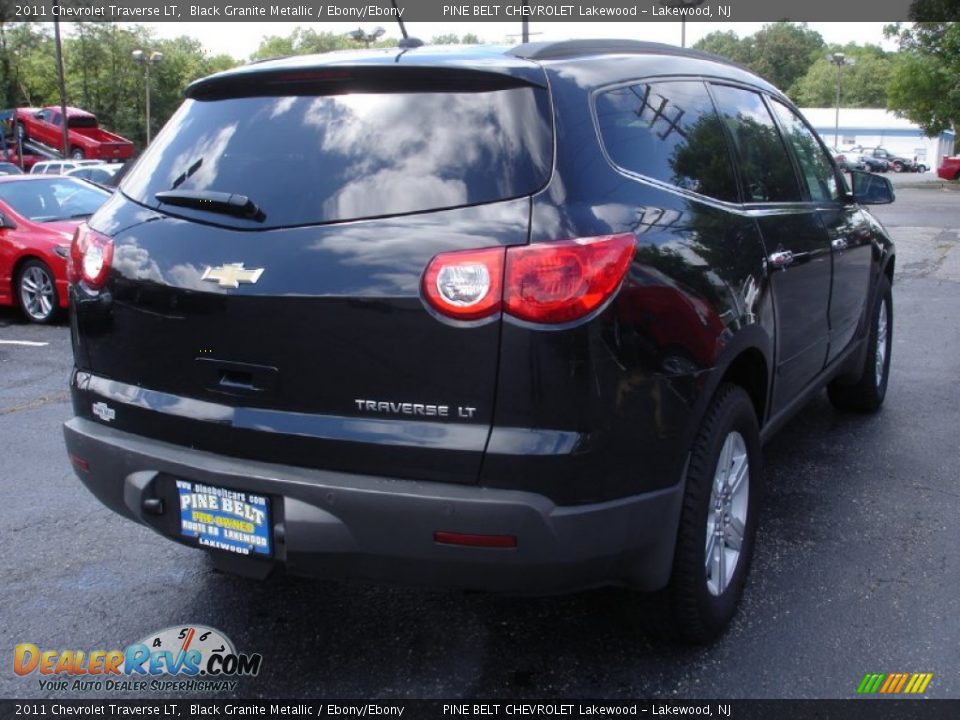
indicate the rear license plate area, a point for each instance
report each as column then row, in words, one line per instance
column 223, row 519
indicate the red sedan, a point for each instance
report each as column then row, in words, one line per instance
column 38, row 215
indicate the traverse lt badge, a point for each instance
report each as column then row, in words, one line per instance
column 231, row 275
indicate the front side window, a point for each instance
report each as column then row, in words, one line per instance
column 668, row 131
column 815, row 166
column 766, row 171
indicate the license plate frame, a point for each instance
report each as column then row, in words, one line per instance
column 219, row 518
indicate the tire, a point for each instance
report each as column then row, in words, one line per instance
column 704, row 590
column 77, row 154
column 866, row 393
column 37, row 292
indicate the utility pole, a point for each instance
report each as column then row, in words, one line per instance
column 58, row 50
column 147, row 60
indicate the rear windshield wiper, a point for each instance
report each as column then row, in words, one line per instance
column 216, row 202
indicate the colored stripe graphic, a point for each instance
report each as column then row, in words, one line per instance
column 870, row 683
column 894, row 683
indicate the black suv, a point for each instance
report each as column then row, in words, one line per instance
column 511, row 319
column 896, row 163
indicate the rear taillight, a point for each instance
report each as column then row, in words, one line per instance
column 90, row 257
column 545, row 283
column 565, row 281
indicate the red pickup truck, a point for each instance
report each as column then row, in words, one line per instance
column 87, row 138
column 950, row 168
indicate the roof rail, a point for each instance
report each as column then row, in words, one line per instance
column 564, row 49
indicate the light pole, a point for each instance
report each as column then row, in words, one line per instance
column 838, row 59
column 147, row 60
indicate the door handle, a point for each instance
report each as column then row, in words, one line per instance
column 840, row 244
column 781, row 258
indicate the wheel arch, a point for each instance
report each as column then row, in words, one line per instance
column 746, row 361
column 18, row 267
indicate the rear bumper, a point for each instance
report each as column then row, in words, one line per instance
column 333, row 524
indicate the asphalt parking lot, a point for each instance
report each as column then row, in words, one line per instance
column 857, row 567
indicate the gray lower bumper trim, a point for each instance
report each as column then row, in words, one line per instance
column 339, row 524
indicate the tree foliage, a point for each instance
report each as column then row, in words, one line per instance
column 307, row 41
column 454, row 39
column 781, row 52
column 863, row 84
column 925, row 81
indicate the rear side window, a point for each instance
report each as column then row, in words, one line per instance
column 668, row 131
column 310, row 159
column 766, row 171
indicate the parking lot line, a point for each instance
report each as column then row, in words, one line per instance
column 29, row 343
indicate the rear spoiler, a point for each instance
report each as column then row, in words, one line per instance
column 339, row 79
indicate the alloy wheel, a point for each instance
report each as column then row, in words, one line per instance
column 37, row 293
column 727, row 513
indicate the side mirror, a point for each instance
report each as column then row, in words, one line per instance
column 6, row 223
column 870, row 189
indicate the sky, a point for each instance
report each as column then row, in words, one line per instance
column 241, row 39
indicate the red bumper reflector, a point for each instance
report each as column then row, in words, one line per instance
column 488, row 541
column 79, row 463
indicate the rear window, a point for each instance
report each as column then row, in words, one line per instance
column 318, row 159
column 82, row 121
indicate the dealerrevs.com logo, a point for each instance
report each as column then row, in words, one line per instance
column 182, row 658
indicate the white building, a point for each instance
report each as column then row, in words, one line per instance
column 872, row 127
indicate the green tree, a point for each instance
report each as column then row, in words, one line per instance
column 925, row 80
column 863, row 84
column 781, row 52
column 307, row 42
column 726, row 44
column 454, row 39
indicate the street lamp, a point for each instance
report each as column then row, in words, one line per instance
column 147, row 60
column 838, row 59
column 366, row 38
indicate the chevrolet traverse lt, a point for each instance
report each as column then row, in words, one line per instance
column 509, row 319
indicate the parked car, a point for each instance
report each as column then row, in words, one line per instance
column 949, row 168
column 897, row 163
column 104, row 174
column 846, row 162
column 61, row 167
column 7, row 168
column 873, row 164
column 27, row 162
column 38, row 216
column 85, row 136
column 347, row 339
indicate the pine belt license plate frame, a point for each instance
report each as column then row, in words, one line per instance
column 232, row 521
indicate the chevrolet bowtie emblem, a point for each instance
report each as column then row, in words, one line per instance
column 231, row 275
